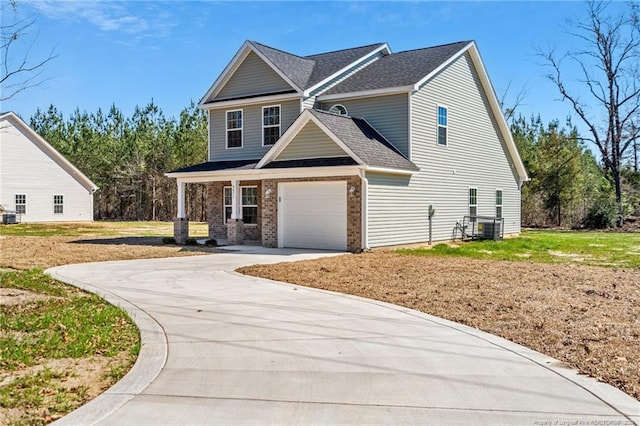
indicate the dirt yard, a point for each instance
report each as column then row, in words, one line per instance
column 46, row 252
column 588, row 317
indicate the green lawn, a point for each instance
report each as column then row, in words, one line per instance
column 609, row 249
column 100, row 228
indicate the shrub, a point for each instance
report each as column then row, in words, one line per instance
column 191, row 242
column 168, row 240
column 601, row 214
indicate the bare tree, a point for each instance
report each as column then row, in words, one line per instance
column 18, row 71
column 607, row 64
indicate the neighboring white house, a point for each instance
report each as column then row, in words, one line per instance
column 36, row 181
column 355, row 149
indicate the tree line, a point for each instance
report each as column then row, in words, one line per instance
column 128, row 156
column 568, row 186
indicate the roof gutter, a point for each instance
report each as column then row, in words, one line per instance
column 367, row 93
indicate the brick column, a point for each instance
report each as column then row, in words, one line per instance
column 354, row 214
column 180, row 230
column 235, row 232
column 269, row 213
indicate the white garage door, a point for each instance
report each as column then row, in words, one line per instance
column 312, row 215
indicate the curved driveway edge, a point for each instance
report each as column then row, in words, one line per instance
column 222, row 348
column 149, row 363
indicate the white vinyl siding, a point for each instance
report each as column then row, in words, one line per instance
column 397, row 211
column 388, row 114
column 311, row 142
column 253, row 77
column 252, row 119
column 26, row 169
column 398, row 205
column 478, row 157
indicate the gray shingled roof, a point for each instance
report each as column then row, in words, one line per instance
column 307, row 71
column 214, row 166
column 364, row 141
column 330, row 62
column 398, row 69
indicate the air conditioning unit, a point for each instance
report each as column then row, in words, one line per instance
column 9, row 218
column 489, row 230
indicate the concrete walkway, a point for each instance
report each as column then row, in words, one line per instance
column 222, row 348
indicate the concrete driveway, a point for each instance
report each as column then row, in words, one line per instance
column 222, row 348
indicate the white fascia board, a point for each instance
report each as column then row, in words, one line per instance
column 386, row 170
column 250, row 101
column 259, row 174
column 275, row 68
column 366, row 93
column 497, row 112
column 72, row 170
column 383, row 47
column 442, row 66
column 228, row 71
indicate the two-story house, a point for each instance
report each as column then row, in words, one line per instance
column 348, row 150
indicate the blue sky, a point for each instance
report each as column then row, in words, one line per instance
column 129, row 52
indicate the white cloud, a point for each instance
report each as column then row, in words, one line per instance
column 108, row 16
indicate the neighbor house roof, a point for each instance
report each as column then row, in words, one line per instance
column 39, row 141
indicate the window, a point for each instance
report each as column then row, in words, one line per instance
column 58, row 204
column 473, row 202
column 338, row 109
column 234, row 129
column 21, row 203
column 442, row 126
column 498, row 202
column 249, row 204
column 270, row 124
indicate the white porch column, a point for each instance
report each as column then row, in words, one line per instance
column 181, row 204
column 236, row 200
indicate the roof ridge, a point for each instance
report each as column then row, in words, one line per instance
column 280, row 50
column 343, row 50
column 434, row 47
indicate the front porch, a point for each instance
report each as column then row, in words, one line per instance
column 246, row 211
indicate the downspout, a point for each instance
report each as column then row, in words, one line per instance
column 364, row 211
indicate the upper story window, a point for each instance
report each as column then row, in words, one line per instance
column 270, row 124
column 442, row 125
column 473, row 203
column 498, row 202
column 234, row 129
column 58, row 204
column 338, row 109
column 21, row 203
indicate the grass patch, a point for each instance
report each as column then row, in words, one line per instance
column 75, row 326
column 606, row 249
column 99, row 228
column 90, row 344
